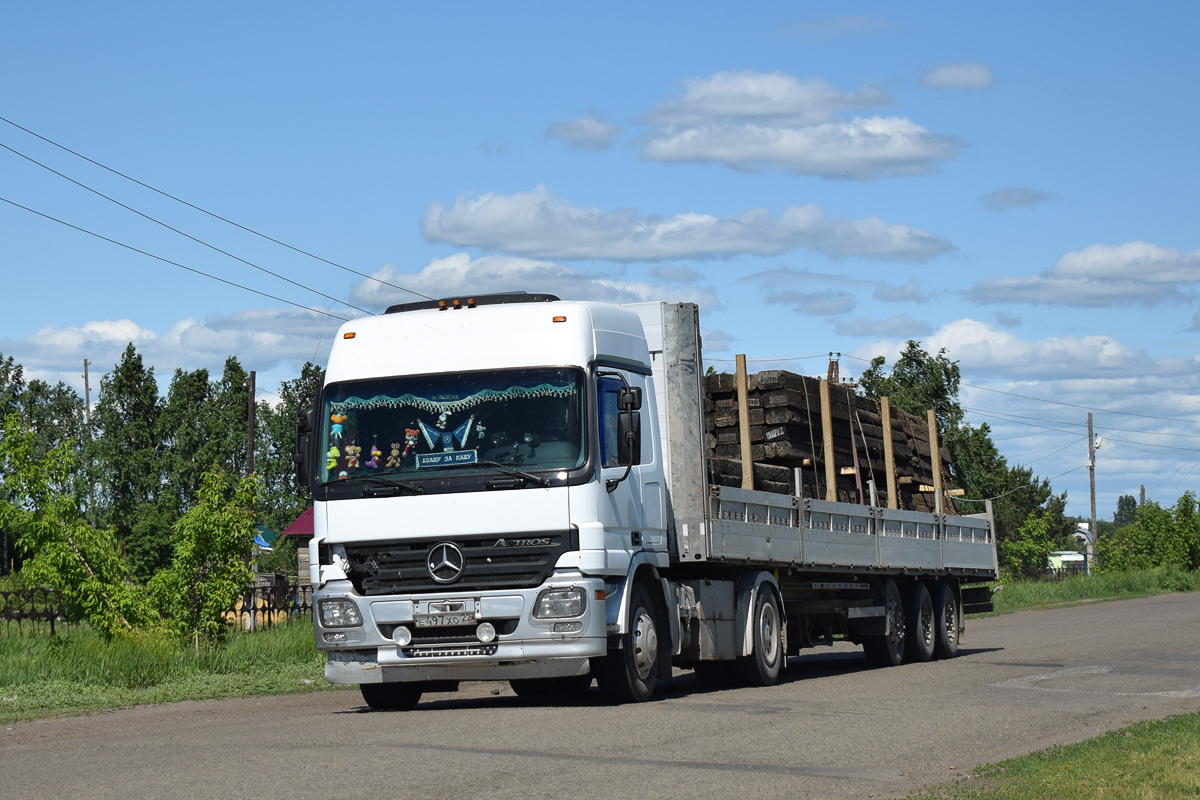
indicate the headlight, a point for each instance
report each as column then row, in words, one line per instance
column 339, row 613
column 555, row 603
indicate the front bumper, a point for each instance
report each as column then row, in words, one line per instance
column 524, row 647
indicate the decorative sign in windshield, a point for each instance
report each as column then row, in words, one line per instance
column 446, row 459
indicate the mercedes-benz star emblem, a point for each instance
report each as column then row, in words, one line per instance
column 445, row 562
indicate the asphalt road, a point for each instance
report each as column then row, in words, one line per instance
column 834, row 728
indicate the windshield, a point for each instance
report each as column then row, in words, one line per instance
column 431, row 425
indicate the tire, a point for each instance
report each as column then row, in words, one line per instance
column 763, row 665
column 629, row 675
column 391, row 696
column 714, row 674
column 945, row 620
column 921, row 635
column 551, row 687
column 887, row 650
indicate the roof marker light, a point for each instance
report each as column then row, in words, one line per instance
column 349, row 335
column 559, row 319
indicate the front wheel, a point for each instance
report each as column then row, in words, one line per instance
column 391, row 696
column 762, row 667
column 629, row 675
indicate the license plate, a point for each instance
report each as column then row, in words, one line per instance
column 442, row 620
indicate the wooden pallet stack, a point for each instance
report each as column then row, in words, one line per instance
column 787, row 431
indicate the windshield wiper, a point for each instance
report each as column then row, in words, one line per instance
column 508, row 469
column 388, row 486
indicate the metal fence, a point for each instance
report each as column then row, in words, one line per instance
column 263, row 607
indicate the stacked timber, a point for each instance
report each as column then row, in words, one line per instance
column 787, row 433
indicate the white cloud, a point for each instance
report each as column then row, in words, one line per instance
column 1015, row 197
column 458, row 274
column 592, row 132
column 910, row 292
column 715, row 341
column 966, row 76
column 983, row 350
column 540, row 225
column 900, row 325
column 264, row 340
column 821, row 304
column 747, row 120
column 1102, row 275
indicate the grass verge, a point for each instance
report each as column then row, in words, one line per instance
column 76, row 670
column 1022, row 595
column 1157, row 760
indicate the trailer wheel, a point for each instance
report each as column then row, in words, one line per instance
column 551, row 687
column 887, row 650
column 629, row 675
column 945, row 618
column 391, row 696
column 763, row 665
column 922, row 628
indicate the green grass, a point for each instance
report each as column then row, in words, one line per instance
column 1021, row 595
column 1157, row 760
column 76, row 670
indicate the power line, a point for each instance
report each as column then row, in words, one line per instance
column 181, row 233
column 168, row 261
column 1020, row 488
column 756, row 360
column 211, row 214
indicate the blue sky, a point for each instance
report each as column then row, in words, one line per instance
column 1015, row 184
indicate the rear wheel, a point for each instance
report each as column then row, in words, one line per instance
column 391, row 696
column 921, row 631
column 629, row 675
column 762, row 667
column 945, row 620
column 887, row 650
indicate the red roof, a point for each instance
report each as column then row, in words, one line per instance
column 302, row 525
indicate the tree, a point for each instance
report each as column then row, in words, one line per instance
column 919, row 382
column 12, row 384
column 1025, row 555
column 209, row 570
column 1126, row 511
column 283, row 498
column 128, row 457
column 184, row 433
column 65, row 553
column 226, row 418
column 1158, row 537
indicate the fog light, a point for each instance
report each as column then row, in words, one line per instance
column 567, row 627
column 401, row 635
column 336, row 636
column 486, row 632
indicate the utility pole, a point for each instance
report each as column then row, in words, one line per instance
column 1142, row 496
column 1091, row 548
column 87, row 400
column 250, row 408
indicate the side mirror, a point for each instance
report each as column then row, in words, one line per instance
column 304, row 426
column 629, row 438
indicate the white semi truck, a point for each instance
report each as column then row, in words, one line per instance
column 514, row 487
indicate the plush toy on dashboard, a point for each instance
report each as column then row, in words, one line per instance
column 410, row 440
column 353, row 451
column 335, row 432
column 333, row 455
column 394, row 458
column 443, row 420
column 376, row 454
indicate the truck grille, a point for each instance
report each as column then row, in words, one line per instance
column 490, row 562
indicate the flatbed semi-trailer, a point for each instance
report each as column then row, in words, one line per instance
column 545, row 516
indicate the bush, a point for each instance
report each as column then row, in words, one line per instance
column 1158, row 537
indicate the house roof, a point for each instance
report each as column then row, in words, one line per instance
column 302, row 525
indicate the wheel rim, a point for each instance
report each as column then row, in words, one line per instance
column 645, row 643
column 896, row 615
column 950, row 620
column 926, row 623
column 768, row 625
